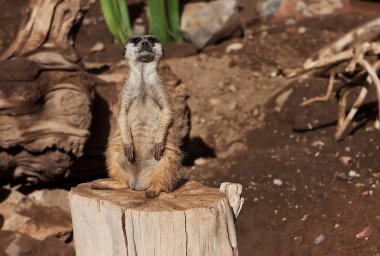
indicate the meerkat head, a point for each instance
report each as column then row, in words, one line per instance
column 145, row 49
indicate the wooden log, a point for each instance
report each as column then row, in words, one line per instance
column 193, row 220
column 45, row 94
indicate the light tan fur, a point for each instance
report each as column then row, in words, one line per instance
column 143, row 150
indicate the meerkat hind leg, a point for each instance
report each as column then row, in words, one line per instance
column 165, row 177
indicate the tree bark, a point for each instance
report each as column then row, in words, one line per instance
column 45, row 94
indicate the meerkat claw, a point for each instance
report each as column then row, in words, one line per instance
column 159, row 150
column 129, row 152
column 152, row 193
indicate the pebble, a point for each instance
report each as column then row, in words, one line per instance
column 290, row 22
column 377, row 124
column 232, row 88
column 98, row 47
column 319, row 239
column 215, row 101
column 317, row 143
column 232, row 105
column 301, row 30
column 352, row 173
column 346, row 160
column 200, row 161
column 234, row 47
column 277, row 182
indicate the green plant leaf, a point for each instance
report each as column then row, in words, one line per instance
column 163, row 18
column 117, row 18
column 174, row 19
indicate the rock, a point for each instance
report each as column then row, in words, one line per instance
column 205, row 23
column 277, row 182
column 232, row 105
column 317, row 144
column 301, row 8
column 234, row 47
column 12, row 220
column 290, row 22
column 215, row 101
column 269, row 7
column 45, row 222
column 24, row 215
column 377, row 124
column 234, row 148
column 319, row 239
column 301, row 30
column 200, row 161
column 232, row 88
column 52, row 197
column 18, row 244
column 97, row 47
column 346, row 160
column 353, row 174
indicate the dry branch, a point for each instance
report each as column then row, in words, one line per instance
column 355, row 51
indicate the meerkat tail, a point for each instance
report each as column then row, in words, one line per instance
column 108, row 185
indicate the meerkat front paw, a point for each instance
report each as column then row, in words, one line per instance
column 152, row 192
column 159, row 150
column 129, row 151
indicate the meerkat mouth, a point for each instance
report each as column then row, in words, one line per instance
column 146, row 55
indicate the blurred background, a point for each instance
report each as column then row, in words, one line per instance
column 235, row 69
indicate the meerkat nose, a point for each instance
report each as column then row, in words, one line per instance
column 145, row 44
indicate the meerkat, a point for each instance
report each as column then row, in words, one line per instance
column 143, row 150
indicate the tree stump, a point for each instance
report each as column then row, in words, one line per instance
column 193, row 220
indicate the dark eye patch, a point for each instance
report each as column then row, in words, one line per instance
column 152, row 40
column 134, row 40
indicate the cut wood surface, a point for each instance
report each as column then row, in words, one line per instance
column 193, row 220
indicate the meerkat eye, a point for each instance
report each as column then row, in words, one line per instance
column 135, row 40
column 152, row 40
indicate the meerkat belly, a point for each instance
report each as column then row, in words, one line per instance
column 144, row 117
column 144, row 120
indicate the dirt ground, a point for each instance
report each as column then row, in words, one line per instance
column 299, row 184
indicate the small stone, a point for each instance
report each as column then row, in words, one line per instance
column 232, row 105
column 234, row 47
column 319, row 239
column 290, row 22
column 98, row 47
column 352, row 173
column 277, row 182
column 346, row 160
column 318, row 144
column 377, row 124
column 232, row 88
column 301, row 30
column 200, row 161
column 215, row 101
